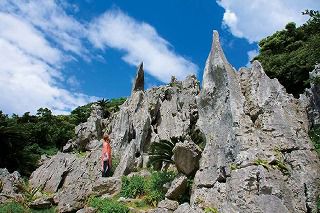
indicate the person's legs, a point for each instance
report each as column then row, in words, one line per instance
column 105, row 168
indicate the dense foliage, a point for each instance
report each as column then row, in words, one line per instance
column 25, row 138
column 151, row 188
column 290, row 54
column 315, row 137
column 107, row 205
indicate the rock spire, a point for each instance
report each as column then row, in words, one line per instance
column 138, row 84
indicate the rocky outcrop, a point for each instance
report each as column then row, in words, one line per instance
column 257, row 148
column 313, row 97
column 149, row 116
column 177, row 188
column 186, row 156
column 257, row 155
column 138, row 84
column 8, row 182
column 87, row 133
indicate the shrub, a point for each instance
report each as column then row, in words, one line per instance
column 107, row 205
column 12, row 207
column 314, row 134
column 154, row 187
column 132, row 187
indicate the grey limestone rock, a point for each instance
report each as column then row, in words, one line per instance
column 186, row 156
column 138, row 84
column 257, row 146
column 177, row 187
column 90, row 130
column 8, row 189
column 87, row 210
column 313, row 95
column 168, row 204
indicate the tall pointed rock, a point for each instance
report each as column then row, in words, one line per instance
column 217, row 67
column 138, row 84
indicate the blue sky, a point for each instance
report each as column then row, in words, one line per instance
column 61, row 54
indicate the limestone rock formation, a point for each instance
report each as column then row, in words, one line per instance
column 186, row 156
column 138, row 84
column 88, row 131
column 314, row 98
column 8, row 189
column 258, row 156
column 149, row 116
column 177, row 188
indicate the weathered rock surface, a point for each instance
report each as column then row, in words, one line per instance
column 41, row 203
column 186, row 156
column 149, row 116
column 8, row 189
column 90, row 130
column 138, row 84
column 168, row 204
column 186, row 208
column 313, row 95
column 257, row 148
column 70, row 177
column 257, row 154
column 177, row 187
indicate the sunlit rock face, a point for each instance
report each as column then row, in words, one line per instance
column 255, row 155
column 258, row 156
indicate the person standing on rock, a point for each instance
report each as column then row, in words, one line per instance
column 106, row 156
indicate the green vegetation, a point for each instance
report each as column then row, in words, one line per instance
column 107, row 205
column 132, row 187
column 211, row 210
column 162, row 151
column 261, row 162
column 290, row 54
column 12, row 207
column 155, row 191
column 315, row 137
column 150, row 189
column 25, row 138
column 275, row 164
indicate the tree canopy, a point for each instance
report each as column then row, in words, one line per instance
column 290, row 54
column 23, row 139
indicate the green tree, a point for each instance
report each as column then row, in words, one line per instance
column 290, row 54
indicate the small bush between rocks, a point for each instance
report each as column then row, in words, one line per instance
column 151, row 188
column 132, row 187
column 107, row 205
column 12, row 207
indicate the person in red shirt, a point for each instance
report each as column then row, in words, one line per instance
column 106, row 161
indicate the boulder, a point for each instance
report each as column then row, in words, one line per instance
column 90, row 130
column 186, row 208
column 186, row 157
column 8, row 182
column 168, row 204
column 107, row 186
column 87, row 210
column 177, row 187
column 41, row 203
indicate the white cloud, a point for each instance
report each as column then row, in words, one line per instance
column 37, row 38
column 30, row 63
column 251, row 55
column 50, row 18
column 256, row 19
column 140, row 42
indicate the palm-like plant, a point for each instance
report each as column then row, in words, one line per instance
column 162, row 151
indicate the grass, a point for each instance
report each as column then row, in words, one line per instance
column 150, row 189
column 107, row 205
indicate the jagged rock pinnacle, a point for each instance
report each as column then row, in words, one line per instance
column 138, row 84
column 215, row 62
